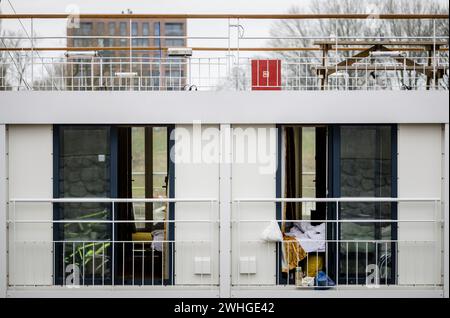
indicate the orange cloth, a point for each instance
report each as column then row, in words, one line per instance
column 292, row 252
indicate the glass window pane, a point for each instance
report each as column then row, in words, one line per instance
column 157, row 32
column 138, row 172
column 84, row 172
column 134, row 32
column 123, row 33
column 174, row 28
column 366, row 171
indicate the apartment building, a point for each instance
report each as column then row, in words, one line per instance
column 327, row 176
column 144, row 40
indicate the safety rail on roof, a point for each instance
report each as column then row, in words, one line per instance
column 316, row 63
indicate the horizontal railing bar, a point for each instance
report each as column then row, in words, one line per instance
column 216, row 221
column 380, row 241
column 139, row 173
column 343, row 199
column 332, row 37
column 111, row 200
column 115, row 241
column 111, row 221
column 341, row 221
column 127, row 37
column 296, row 16
column 174, row 200
column 218, row 49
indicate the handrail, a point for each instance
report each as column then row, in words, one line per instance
column 225, row 49
column 343, row 199
column 111, row 200
column 300, row 16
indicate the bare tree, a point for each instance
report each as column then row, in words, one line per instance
column 238, row 80
column 13, row 64
column 419, row 28
column 4, row 85
column 300, row 70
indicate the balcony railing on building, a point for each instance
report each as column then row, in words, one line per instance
column 37, row 258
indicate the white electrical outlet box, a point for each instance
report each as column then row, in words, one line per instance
column 202, row 265
column 247, row 265
column 179, row 51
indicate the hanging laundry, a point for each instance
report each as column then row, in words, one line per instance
column 292, row 253
column 310, row 237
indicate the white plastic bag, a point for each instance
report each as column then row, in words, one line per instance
column 272, row 233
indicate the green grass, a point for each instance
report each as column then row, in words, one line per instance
column 138, row 157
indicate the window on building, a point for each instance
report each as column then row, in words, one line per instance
column 84, row 161
column 340, row 161
column 123, row 33
column 145, row 32
column 365, row 170
column 78, row 42
column 134, row 33
column 143, row 173
column 111, row 32
column 174, row 29
column 104, row 162
column 86, row 29
column 304, row 170
column 157, row 33
column 101, row 32
column 174, row 79
column 155, row 79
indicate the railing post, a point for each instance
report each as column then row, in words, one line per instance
column 225, row 212
column 32, row 54
column 337, row 243
column 446, row 219
column 3, row 214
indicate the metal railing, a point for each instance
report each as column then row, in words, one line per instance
column 45, row 252
column 406, row 252
column 225, row 73
column 327, row 62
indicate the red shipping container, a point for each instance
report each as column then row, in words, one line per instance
column 266, row 75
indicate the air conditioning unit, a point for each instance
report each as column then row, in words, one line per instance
column 392, row 54
column 126, row 74
column 81, row 54
column 179, row 52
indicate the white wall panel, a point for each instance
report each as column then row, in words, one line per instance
column 419, row 173
column 253, row 177
column 196, row 177
column 30, row 176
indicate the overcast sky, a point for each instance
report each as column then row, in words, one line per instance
column 259, row 28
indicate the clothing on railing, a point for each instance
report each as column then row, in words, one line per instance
column 292, row 253
column 310, row 237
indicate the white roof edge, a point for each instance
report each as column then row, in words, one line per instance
column 261, row 107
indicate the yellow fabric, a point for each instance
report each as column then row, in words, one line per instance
column 141, row 236
column 293, row 252
column 314, row 263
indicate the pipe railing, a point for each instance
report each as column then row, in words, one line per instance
column 391, row 256
column 107, row 260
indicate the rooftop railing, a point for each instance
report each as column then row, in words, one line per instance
column 329, row 62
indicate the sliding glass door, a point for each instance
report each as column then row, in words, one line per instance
column 82, row 169
column 364, row 166
column 99, row 161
